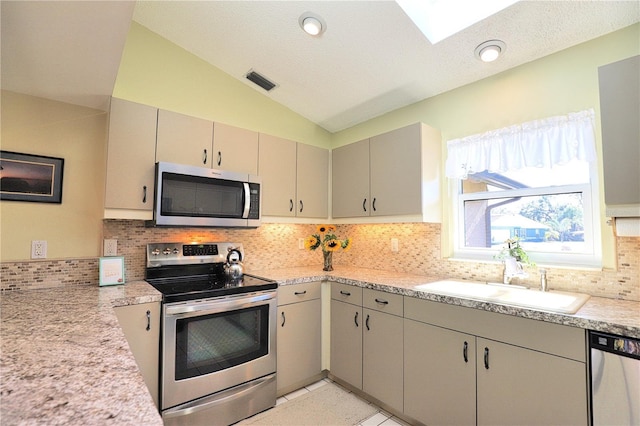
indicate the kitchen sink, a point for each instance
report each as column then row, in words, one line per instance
column 560, row 302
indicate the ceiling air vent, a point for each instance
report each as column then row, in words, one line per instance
column 260, row 80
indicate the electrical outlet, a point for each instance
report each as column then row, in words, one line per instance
column 110, row 247
column 39, row 249
column 301, row 243
column 394, row 245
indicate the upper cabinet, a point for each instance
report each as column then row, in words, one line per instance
column 184, row 139
column 350, row 182
column 295, row 178
column 277, row 168
column 619, row 110
column 312, row 181
column 130, row 160
column 396, row 173
column 235, row 149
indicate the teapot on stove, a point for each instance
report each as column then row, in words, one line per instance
column 234, row 268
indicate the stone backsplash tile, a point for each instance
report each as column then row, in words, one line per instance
column 273, row 246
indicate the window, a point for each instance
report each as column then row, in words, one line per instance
column 549, row 202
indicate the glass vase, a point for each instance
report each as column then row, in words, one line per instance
column 328, row 260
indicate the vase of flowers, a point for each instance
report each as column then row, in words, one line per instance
column 326, row 239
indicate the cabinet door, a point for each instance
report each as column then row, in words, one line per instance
column 183, row 139
column 396, row 172
column 299, row 344
column 525, row 387
column 235, row 149
column 312, row 181
column 382, row 359
column 350, row 180
column 346, row 342
column 439, row 375
column 619, row 110
column 131, row 156
column 141, row 326
column 277, row 168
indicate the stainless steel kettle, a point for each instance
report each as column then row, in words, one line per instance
column 234, row 268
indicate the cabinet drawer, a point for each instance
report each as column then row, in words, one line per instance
column 346, row 293
column 298, row 293
column 383, row 301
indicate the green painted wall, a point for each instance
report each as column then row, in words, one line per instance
column 564, row 82
column 156, row 72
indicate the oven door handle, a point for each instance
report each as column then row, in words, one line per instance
column 220, row 305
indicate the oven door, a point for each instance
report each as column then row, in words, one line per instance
column 215, row 344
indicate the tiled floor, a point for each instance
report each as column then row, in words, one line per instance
column 381, row 418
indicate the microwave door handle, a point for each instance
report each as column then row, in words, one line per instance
column 247, row 201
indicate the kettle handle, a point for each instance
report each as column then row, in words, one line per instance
column 231, row 250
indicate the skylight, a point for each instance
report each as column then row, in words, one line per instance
column 439, row 19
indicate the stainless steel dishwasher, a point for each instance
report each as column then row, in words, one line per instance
column 615, row 379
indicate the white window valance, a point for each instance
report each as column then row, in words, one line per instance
column 540, row 143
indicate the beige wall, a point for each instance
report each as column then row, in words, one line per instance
column 157, row 72
column 73, row 228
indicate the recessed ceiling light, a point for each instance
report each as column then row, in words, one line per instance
column 490, row 50
column 312, row 24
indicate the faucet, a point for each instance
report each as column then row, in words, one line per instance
column 543, row 280
column 512, row 269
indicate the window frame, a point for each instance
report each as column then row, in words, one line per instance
column 591, row 215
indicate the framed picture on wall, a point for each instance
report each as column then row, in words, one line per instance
column 26, row 177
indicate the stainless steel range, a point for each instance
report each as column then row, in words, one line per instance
column 218, row 351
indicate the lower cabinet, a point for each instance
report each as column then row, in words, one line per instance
column 346, row 341
column 439, row 375
column 526, row 387
column 382, row 362
column 141, row 326
column 299, row 336
column 366, row 342
column 465, row 366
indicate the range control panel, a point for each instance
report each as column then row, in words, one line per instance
column 159, row 254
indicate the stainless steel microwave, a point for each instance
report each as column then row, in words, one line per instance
column 196, row 196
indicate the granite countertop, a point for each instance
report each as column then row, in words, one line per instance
column 65, row 359
column 601, row 314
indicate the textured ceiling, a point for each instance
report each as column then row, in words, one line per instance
column 370, row 60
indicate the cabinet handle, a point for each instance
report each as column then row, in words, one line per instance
column 465, row 354
column 381, row 302
column 299, row 293
column 290, row 205
column 148, row 320
column 144, row 194
column 364, row 205
column 301, row 206
column 219, row 158
column 345, row 293
column 204, row 157
column 374, row 204
column 355, row 319
column 283, row 320
column 486, row 358
column 366, row 322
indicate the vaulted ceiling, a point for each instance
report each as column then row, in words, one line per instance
column 370, row 60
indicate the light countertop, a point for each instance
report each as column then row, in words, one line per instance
column 65, row 359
